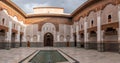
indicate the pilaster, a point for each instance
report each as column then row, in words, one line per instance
column 24, row 35
column 99, row 33
column 86, row 34
column 77, row 34
column 71, row 39
column 9, row 35
column 119, row 26
column 17, row 37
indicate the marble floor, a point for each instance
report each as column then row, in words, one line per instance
column 82, row 55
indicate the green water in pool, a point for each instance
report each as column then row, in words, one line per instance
column 48, row 56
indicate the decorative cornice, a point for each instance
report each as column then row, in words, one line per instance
column 83, row 6
column 14, row 6
column 73, row 14
column 48, row 15
column 48, row 7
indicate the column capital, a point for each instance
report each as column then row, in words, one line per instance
column 85, row 18
column 85, row 31
column 99, row 12
column 119, row 7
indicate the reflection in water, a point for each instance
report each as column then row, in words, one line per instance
column 48, row 56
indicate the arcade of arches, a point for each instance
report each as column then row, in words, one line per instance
column 94, row 27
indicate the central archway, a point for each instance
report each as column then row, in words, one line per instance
column 48, row 39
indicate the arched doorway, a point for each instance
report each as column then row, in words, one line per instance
column 48, row 39
column 111, row 40
column 93, row 40
column 13, row 40
column 21, row 40
column 2, row 39
column 75, row 39
column 82, row 40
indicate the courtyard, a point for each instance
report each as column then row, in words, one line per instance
column 15, row 55
column 77, row 31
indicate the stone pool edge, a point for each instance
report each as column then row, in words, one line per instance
column 67, row 57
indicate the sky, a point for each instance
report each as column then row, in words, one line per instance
column 68, row 5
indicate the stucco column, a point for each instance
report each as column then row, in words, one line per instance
column 24, row 41
column 99, row 33
column 119, row 26
column 18, row 37
column 31, row 39
column 38, row 38
column 77, row 34
column 65, row 33
column 9, row 35
column 71, row 38
column 6, row 39
column 58, row 37
column 55, row 37
column 24, row 36
column 86, row 34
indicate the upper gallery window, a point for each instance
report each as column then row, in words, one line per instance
column 82, row 35
column 109, row 18
column 14, row 25
column 81, row 26
column 92, row 23
column 3, row 21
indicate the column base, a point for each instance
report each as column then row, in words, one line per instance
column 92, row 45
column 100, row 47
column 17, row 45
column 7, row 47
column 63, row 44
column 24, row 44
column 86, row 46
column 78, row 44
column 119, row 48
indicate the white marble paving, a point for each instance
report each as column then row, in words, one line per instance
column 92, row 56
column 82, row 55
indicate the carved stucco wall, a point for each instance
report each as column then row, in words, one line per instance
column 48, row 27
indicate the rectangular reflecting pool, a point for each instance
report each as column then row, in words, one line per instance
column 48, row 56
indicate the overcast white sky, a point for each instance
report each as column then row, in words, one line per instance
column 68, row 5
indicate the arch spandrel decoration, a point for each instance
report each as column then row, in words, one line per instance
column 92, row 17
column 110, row 9
column 48, row 27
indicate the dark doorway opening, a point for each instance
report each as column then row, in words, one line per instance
column 13, row 40
column 21, row 40
column 82, row 40
column 75, row 39
column 48, row 39
column 111, row 40
column 2, row 39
